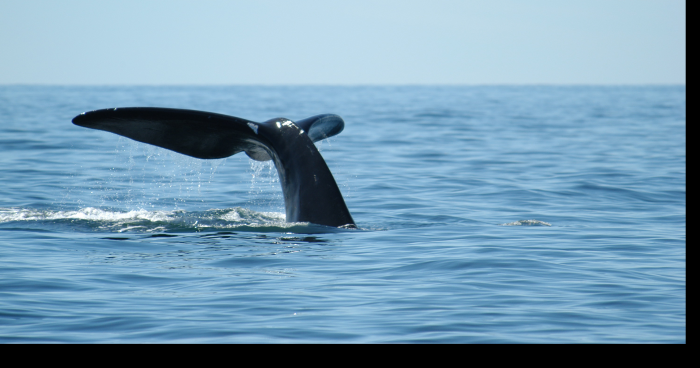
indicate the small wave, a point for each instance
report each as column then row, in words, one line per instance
column 527, row 223
column 142, row 220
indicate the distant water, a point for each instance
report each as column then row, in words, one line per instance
column 486, row 214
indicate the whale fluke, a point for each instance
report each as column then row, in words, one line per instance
column 310, row 191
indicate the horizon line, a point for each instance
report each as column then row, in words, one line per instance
column 343, row 84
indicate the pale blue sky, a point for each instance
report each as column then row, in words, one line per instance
column 343, row 42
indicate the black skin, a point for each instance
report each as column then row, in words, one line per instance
column 310, row 191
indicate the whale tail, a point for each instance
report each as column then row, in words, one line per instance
column 310, row 191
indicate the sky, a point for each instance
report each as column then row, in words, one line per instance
column 359, row 42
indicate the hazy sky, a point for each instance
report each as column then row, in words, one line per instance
column 343, row 42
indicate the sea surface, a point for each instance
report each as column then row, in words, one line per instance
column 486, row 214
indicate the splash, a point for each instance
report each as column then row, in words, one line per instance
column 143, row 176
column 265, row 191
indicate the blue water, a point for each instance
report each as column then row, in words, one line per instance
column 529, row 214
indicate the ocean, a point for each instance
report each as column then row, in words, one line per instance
column 485, row 214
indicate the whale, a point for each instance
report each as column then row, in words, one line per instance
column 310, row 192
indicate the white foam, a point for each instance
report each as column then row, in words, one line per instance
column 248, row 216
column 140, row 219
column 527, row 223
column 88, row 213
